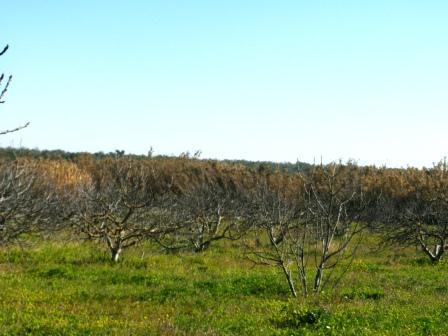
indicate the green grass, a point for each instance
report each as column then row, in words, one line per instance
column 57, row 288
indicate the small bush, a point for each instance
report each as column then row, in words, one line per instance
column 299, row 317
column 364, row 293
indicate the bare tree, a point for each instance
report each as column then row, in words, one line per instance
column 26, row 200
column 335, row 204
column 64, row 181
column 205, row 213
column 4, row 86
column 310, row 227
column 274, row 207
column 123, row 203
column 208, row 207
column 414, row 209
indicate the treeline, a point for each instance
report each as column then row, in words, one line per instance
column 12, row 153
column 306, row 222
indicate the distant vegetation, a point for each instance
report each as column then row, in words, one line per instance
column 10, row 152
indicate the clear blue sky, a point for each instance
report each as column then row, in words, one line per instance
column 259, row 80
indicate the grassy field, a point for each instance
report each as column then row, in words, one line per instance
column 57, row 288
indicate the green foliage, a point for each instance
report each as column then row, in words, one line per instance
column 302, row 317
column 364, row 293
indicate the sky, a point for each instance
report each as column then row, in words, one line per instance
column 254, row 79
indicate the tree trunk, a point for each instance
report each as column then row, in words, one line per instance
column 115, row 252
column 302, row 275
column 318, row 278
column 435, row 255
column 290, row 280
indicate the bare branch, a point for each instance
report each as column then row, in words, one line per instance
column 14, row 129
column 4, row 50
